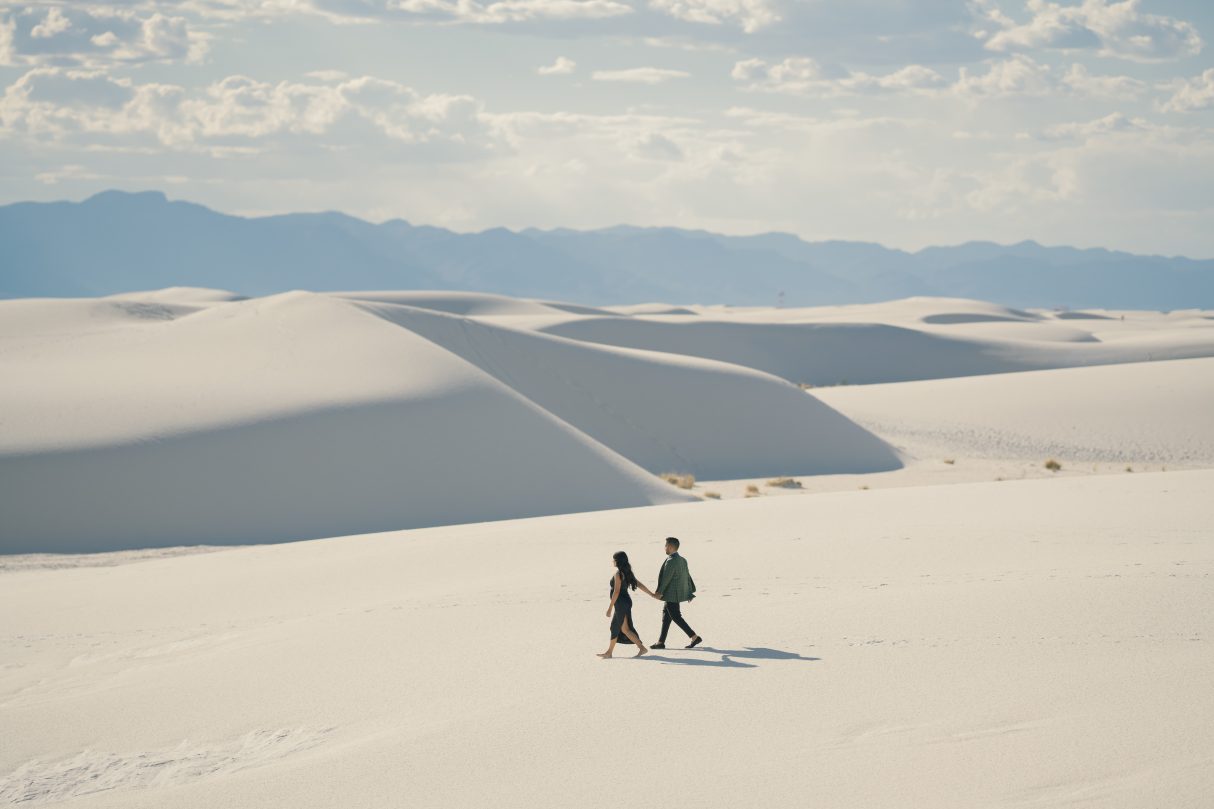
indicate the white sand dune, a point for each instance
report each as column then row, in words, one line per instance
column 472, row 303
column 830, row 353
column 904, row 311
column 292, row 416
column 39, row 318
column 651, row 309
column 664, row 412
column 303, row 415
column 1037, row 643
column 813, row 353
column 192, row 295
column 1155, row 412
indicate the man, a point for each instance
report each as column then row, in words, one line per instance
column 675, row 585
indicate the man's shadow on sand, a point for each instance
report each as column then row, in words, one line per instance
column 730, row 658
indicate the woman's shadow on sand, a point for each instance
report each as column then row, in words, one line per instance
column 729, row 658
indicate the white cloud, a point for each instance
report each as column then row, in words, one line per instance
column 794, row 70
column 656, row 146
column 96, row 37
column 502, row 11
column 521, row 10
column 905, row 181
column 1110, row 124
column 769, row 119
column 56, row 86
column 239, row 105
column 51, row 101
column 54, row 23
column 552, row 142
column 1016, row 76
column 1109, row 27
column 1080, row 81
column 687, row 43
column 8, row 52
column 561, row 66
column 169, row 39
column 1194, row 94
column 839, row 123
column 67, row 172
column 74, row 104
column 1025, row 181
column 750, row 15
column 803, row 76
column 640, row 75
column 1022, row 76
column 327, row 75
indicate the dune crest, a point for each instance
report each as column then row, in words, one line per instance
column 302, row 415
column 288, row 417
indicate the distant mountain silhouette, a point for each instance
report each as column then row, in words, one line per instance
column 118, row 242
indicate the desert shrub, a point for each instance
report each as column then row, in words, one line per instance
column 784, row 483
column 681, row 479
column 1129, row 469
column 712, row 495
column 864, row 487
column 950, row 461
column 752, row 490
column 1052, row 465
column 805, row 386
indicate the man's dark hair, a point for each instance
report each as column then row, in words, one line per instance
column 673, row 541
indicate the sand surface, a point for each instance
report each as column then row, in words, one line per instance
column 922, row 615
column 1033, row 643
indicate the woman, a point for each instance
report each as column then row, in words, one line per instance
column 621, row 602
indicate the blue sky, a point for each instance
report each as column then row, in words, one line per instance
column 907, row 123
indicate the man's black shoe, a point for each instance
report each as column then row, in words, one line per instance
column 658, row 646
column 696, row 641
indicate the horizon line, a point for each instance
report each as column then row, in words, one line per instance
column 618, row 226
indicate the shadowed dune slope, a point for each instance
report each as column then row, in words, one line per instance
column 286, row 417
column 829, row 353
column 664, row 412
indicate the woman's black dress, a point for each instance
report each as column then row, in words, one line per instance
column 623, row 609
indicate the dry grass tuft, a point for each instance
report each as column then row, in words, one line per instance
column 1052, row 465
column 784, row 483
column 681, row 479
column 950, row 461
column 712, row 495
column 752, row 490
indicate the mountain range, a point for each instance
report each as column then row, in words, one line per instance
column 117, row 241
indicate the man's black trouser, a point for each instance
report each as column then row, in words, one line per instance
column 673, row 613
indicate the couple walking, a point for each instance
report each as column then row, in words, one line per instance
column 674, row 586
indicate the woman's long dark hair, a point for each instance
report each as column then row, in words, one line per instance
column 621, row 562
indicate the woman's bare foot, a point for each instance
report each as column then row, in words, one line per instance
column 642, row 651
column 604, row 655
